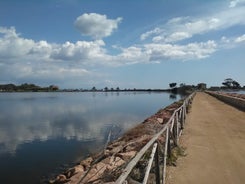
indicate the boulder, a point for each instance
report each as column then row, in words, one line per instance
column 61, row 178
column 74, row 170
column 86, row 163
column 160, row 120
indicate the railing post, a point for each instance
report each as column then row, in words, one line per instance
column 154, row 154
column 157, row 170
column 181, row 119
column 169, row 145
column 177, row 128
column 176, row 131
column 184, row 111
column 173, row 132
column 167, row 152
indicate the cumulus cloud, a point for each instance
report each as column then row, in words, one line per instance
column 11, row 45
column 132, row 55
column 81, row 50
column 44, row 61
column 159, row 52
column 31, row 60
column 96, row 25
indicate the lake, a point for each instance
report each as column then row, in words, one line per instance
column 42, row 133
column 238, row 92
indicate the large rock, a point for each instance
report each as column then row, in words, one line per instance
column 61, row 179
column 160, row 120
column 86, row 163
column 74, row 170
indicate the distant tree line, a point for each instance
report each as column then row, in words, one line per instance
column 26, row 88
column 117, row 89
column 182, row 89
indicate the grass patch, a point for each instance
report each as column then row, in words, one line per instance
column 175, row 153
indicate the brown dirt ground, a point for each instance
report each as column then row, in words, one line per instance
column 214, row 138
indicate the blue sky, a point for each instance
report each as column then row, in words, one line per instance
column 121, row 43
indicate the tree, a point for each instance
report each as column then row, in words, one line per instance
column 172, row 85
column 94, row 88
column 231, row 84
column 236, row 84
column 182, row 85
column 228, row 82
column 106, row 88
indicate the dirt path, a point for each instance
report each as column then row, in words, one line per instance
column 215, row 140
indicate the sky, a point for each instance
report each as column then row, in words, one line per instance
column 121, row 43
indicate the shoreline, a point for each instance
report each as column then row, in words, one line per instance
column 106, row 164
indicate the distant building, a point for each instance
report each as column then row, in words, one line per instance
column 202, row 86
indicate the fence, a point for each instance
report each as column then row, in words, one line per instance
column 172, row 130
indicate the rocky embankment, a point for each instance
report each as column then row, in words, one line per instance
column 233, row 99
column 107, row 165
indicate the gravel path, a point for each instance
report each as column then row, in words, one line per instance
column 214, row 138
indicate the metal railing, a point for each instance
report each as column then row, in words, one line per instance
column 172, row 129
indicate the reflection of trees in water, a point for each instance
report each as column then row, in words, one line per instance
column 172, row 96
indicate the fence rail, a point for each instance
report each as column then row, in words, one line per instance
column 172, row 129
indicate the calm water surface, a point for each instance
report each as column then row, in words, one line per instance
column 240, row 92
column 40, row 132
column 234, row 91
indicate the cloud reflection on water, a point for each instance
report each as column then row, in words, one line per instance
column 23, row 121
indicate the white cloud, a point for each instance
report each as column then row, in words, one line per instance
column 231, row 42
column 15, row 47
column 159, row 52
column 149, row 33
column 42, row 49
column 95, row 25
column 182, row 28
column 240, row 39
column 11, row 45
column 225, row 39
column 40, row 60
column 79, row 51
column 234, row 3
column 176, row 36
column 132, row 55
